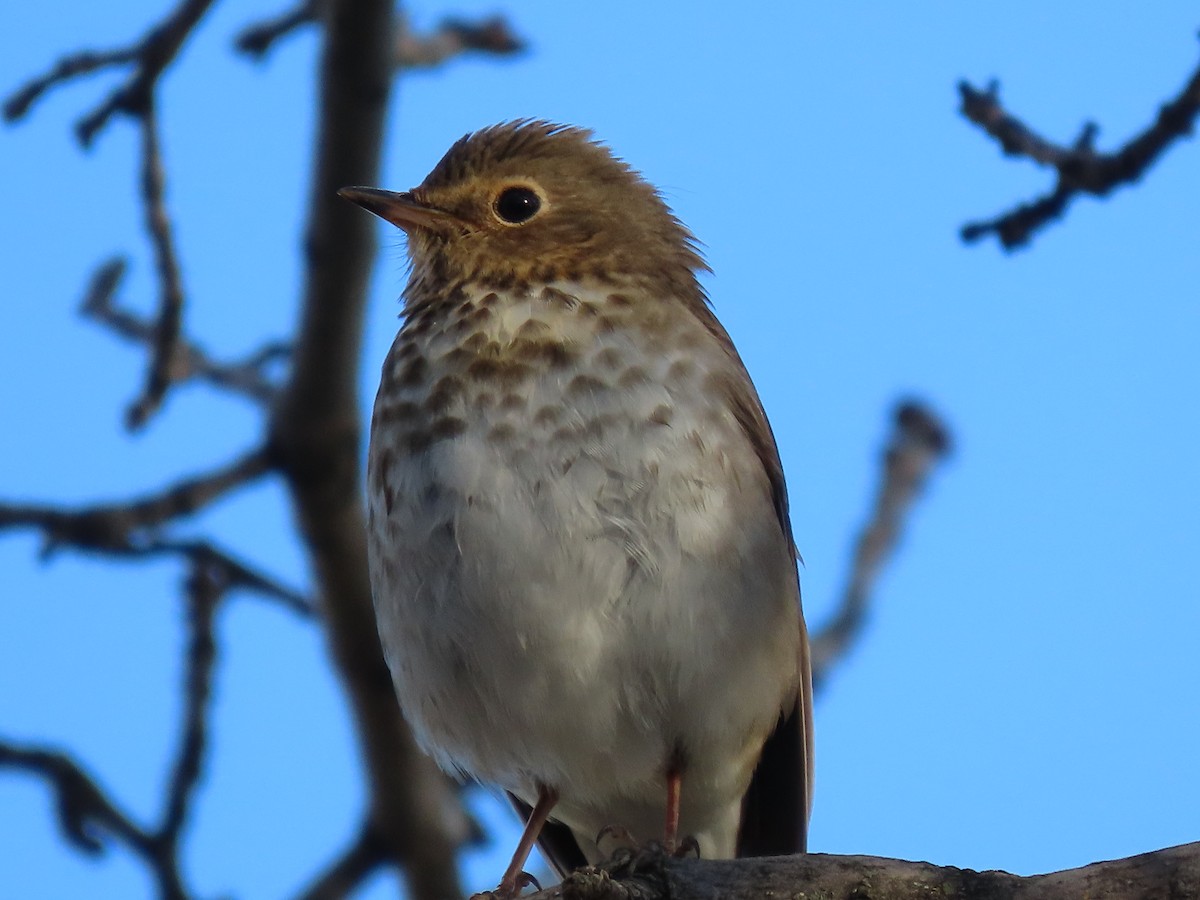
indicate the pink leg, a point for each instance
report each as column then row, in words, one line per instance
column 514, row 876
column 671, row 833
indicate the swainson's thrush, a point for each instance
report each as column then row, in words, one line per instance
column 580, row 550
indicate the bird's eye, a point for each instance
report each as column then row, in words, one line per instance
column 517, row 205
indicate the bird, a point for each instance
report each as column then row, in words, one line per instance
column 581, row 557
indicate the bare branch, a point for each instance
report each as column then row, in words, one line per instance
column 131, row 524
column 152, row 54
column 206, row 585
column 248, row 377
column 84, row 809
column 1173, row 872
column 918, row 441
column 236, row 573
column 454, row 37
column 257, row 39
column 85, row 813
column 65, row 69
column 351, row 868
column 168, row 328
column 111, row 531
column 1079, row 168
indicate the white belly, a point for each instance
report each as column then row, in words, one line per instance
column 585, row 579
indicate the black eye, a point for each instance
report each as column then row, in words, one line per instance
column 516, row 205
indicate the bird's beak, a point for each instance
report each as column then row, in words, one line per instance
column 401, row 209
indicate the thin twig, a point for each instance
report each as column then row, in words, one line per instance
column 454, row 37
column 168, row 327
column 83, row 63
column 248, row 377
column 113, row 530
column 255, row 40
column 918, row 441
column 206, row 585
column 151, row 54
column 1080, row 170
column 86, row 813
column 133, row 523
column 236, row 573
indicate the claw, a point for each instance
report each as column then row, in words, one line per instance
column 689, row 846
column 620, row 836
column 511, row 891
column 524, row 880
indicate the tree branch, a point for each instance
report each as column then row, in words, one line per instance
column 132, row 524
column 1079, row 168
column 255, row 40
column 85, row 812
column 152, row 54
column 168, row 328
column 111, row 530
column 206, row 585
column 248, row 377
column 919, row 440
column 453, row 37
column 1173, row 872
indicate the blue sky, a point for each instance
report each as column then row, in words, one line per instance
column 1027, row 695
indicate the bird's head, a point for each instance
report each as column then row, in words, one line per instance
column 532, row 202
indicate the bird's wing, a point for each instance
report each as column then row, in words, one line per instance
column 777, row 804
column 776, row 807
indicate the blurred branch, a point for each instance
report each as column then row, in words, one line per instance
column 169, row 325
column 86, row 814
column 83, row 809
column 1079, row 168
column 132, row 524
column 1173, row 872
column 206, row 585
column 132, row 529
column 315, row 432
column 248, row 377
column 151, row 55
column 255, row 40
column 918, row 441
column 452, row 38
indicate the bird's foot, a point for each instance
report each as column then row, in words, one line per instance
column 641, row 862
column 508, row 889
column 632, row 857
column 613, row 839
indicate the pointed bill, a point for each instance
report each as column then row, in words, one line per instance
column 401, row 209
